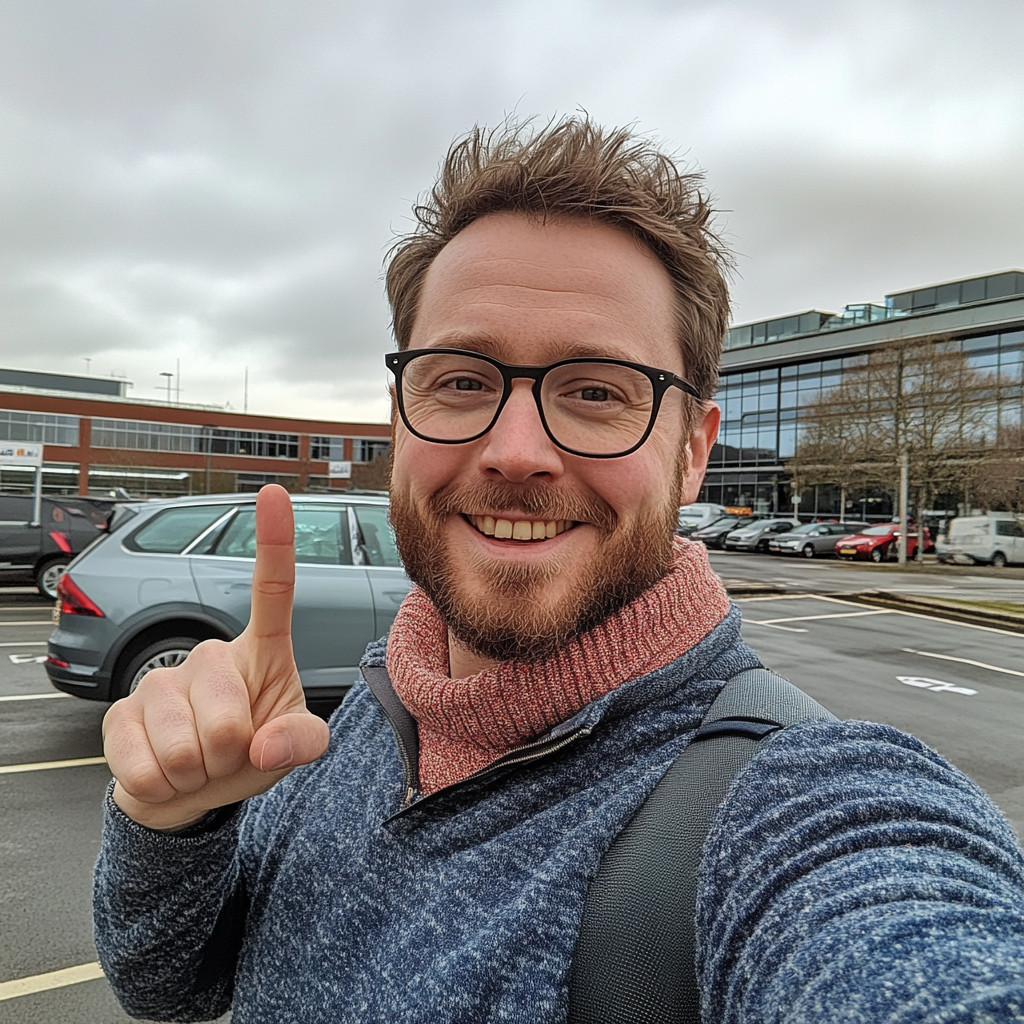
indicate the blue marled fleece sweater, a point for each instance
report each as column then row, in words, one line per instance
column 851, row 875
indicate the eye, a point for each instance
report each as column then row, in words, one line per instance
column 595, row 394
column 466, row 384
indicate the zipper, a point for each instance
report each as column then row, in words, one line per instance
column 403, row 753
column 525, row 754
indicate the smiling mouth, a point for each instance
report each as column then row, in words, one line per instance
column 519, row 529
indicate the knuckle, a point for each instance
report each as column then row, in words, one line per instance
column 182, row 758
column 145, row 782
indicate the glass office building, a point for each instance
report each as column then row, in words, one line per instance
column 774, row 370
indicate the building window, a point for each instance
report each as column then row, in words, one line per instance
column 143, row 435
column 40, row 427
column 365, row 450
column 327, row 449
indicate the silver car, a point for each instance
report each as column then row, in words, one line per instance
column 173, row 573
column 812, row 540
column 755, row 536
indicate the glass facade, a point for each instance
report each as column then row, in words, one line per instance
column 144, row 435
column 761, row 422
column 365, row 450
column 920, row 300
column 40, row 427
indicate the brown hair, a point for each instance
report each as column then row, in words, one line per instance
column 574, row 168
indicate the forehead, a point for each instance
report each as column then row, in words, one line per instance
column 532, row 292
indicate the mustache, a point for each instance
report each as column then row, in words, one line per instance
column 545, row 503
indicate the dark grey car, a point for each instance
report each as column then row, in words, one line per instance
column 812, row 540
column 172, row 574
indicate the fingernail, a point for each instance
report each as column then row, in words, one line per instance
column 276, row 753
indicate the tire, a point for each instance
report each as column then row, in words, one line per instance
column 165, row 653
column 808, row 551
column 761, row 547
column 48, row 575
column 999, row 560
column 879, row 554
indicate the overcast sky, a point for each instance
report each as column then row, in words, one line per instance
column 217, row 181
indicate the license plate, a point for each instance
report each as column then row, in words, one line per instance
column 55, row 615
column 847, row 551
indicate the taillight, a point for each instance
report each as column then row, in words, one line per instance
column 56, row 662
column 61, row 540
column 74, row 601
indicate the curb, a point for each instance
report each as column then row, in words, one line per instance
column 958, row 613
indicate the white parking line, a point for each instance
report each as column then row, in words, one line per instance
column 27, row 643
column 964, row 661
column 810, row 618
column 32, row 622
column 53, row 979
column 33, row 696
column 39, row 766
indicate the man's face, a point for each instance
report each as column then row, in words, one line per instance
column 531, row 293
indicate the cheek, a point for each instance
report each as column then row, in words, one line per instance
column 636, row 483
column 420, row 467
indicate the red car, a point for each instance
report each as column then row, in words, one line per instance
column 879, row 543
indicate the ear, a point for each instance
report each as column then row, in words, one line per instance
column 698, row 450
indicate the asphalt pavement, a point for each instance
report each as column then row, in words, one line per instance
column 957, row 686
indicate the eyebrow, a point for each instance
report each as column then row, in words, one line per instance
column 500, row 349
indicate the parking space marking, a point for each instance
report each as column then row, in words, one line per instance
column 52, row 979
column 32, row 622
column 773, row 625
column 39, row 766
column 33, row 696
column 27, row 659
column 964, row 661
column 26, row 643
column 811, row 618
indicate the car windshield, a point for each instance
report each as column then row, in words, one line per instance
column 879, row 531
column 804, row 528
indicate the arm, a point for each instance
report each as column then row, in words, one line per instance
column 854, row 875
column 188, row 745
column 169, row 915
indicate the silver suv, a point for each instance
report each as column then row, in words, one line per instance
column 172, row 573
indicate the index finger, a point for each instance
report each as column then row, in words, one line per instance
column 273, row 579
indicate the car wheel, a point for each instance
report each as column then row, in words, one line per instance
column 761, row 547
column 48, row 576
column 879, row 554
column 999, row 560
column 166, row 653
column 808, row 551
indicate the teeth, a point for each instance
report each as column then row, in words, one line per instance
column 522, row 529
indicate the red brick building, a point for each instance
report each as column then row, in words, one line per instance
column 97, row 440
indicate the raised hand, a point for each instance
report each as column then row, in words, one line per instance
column 231, row 720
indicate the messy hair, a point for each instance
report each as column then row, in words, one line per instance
column 574, row 168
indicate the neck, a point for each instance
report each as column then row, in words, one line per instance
column 463, row 662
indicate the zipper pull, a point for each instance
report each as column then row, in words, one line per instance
column 410, row 795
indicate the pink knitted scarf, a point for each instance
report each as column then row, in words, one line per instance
column 464, row 724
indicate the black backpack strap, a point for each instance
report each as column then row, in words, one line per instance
column 634, row 961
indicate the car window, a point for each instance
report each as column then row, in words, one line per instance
column 879, row 531
column 378, row 542
column 1008, row 528
column 321, row 535
column 171, row 531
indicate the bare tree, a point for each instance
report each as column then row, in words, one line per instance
column 922, row 397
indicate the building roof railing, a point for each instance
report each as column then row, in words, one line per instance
column 988, row 288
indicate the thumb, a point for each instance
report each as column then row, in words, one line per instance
column 288, row 741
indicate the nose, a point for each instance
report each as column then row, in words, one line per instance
column 517, row 447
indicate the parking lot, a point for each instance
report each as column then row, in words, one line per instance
column 958, row 686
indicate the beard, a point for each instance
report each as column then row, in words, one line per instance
column 514, row 618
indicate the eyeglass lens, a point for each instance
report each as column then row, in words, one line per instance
column 590, row 407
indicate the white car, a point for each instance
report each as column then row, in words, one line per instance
column 994, row 539
column 697, row 516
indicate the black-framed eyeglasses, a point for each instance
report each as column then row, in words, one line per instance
column 599, row 408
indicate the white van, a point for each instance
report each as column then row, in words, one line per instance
column 995, row 539
column 697, row 516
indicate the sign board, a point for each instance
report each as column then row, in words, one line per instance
column 21, row 455
column 339, row 470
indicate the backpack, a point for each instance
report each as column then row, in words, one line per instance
column 634, row 961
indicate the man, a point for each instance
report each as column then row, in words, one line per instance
column 559, row 316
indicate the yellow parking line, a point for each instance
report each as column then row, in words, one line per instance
column 33, row 696
column 38, row 766
column 53, row 979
